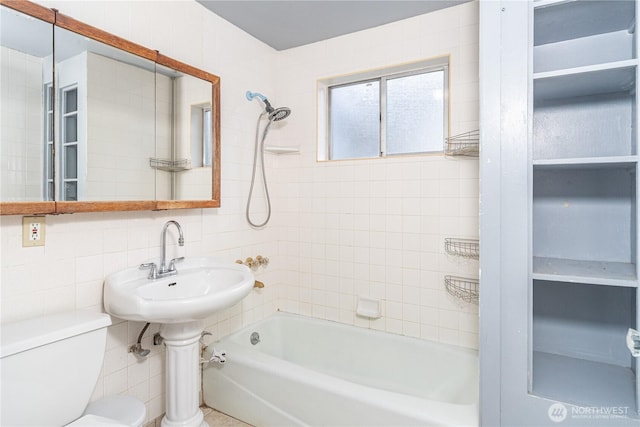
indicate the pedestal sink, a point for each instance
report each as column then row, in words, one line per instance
column 179, row 303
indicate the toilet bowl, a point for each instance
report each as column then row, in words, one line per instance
column 95, row 421
column 50, row 366
column 125, row 409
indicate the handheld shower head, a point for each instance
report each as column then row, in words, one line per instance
column 279, row 113
column 275, row 114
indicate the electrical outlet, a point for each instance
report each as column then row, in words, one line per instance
column 33, row 231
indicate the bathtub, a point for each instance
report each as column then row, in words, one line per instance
column 306, row 371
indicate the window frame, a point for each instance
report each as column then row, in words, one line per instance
column 49, row 143
column 65, row 145
column 382, row 75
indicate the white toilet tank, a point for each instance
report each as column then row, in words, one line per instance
column 49, row 367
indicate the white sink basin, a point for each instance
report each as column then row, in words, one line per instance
column 201, row 287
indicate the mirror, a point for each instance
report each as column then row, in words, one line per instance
column 184, row 129
column 105, row 126
column 26, row 54
column 121, row 127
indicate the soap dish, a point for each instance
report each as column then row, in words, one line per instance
column 368, row 307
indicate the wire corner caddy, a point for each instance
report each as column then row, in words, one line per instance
column 465, row 144
column 462, row 287
column 465, row 288
column 170, row 165
column 465, row 248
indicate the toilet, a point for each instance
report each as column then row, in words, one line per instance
column 49, row 367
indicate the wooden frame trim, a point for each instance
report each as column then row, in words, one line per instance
column 186, row 68
column 21, row 208
column 55, row 18
column 31, row 9
column 97, row 34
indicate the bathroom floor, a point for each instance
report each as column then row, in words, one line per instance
column 212, row 417
column 215, row 419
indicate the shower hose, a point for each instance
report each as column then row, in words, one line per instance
column 259, row 147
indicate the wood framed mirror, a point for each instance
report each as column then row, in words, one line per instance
column 108, row 125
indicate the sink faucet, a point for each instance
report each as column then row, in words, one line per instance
column 171, row 268
column 165, row 270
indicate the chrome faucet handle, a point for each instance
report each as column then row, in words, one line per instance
column 172, row 263
column 153, row 273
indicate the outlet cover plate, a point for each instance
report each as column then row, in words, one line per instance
column 33, row 231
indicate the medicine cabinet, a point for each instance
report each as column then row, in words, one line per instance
column 93, row 122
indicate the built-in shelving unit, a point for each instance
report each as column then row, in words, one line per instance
column 584, row 202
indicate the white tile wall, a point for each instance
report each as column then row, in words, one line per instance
column 121, row 131
column 370, row 227
column 21, row 155
column 377, row 227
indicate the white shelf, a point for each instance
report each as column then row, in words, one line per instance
column 583, row 382
column 282, row 150
column 612, row 77
column 557, row 20
column 598, row 49
column 587, row 272
column 587, row 162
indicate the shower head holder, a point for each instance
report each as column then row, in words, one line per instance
column 251, row 95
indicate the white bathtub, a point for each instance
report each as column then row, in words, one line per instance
column 307, row 371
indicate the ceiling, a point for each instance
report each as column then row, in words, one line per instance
column 286, row 24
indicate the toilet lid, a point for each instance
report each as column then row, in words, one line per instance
column 125, row 409
column 95, row 421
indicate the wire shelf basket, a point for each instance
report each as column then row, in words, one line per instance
column 462, row 287
column 466, row 248
column 170, row 165
column 465, row 144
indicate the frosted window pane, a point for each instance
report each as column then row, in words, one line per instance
column 71, row 191
column 355, row 121
column 49, row 126
column 70, row 162
column 49, row 98
column 207, row 138
column 71, row 128
column 49, row 161
column 415, row 113
column 71, row 101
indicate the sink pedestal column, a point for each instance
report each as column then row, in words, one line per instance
column 182, row 342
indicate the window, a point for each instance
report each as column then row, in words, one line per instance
column 69, row 158
column 400, row 110
column 201, row 135
column 48, row 143
column 207, row 136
